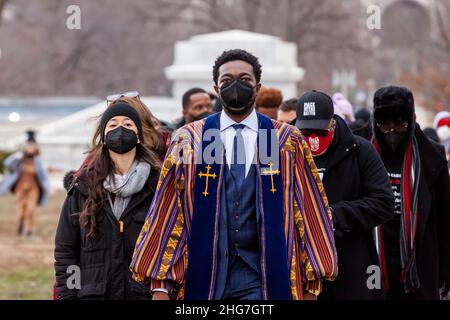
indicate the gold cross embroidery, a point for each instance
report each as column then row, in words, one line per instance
column 271, row 172
column 207, row 175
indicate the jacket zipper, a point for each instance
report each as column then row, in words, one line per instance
column 121, row 225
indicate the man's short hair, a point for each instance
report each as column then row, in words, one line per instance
column 289, row 105
column 187, row 96
column 237, row 55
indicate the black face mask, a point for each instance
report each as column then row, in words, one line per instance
column 394, row 139
column 121, row 140
column 238, row 97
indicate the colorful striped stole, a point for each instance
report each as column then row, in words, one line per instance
column 298, row 235
column 202, row 252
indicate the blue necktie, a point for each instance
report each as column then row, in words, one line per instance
column 238, row 158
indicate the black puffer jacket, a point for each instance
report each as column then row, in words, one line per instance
column 103, row 260
column 359, row 193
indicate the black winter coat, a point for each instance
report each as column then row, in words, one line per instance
column 433, row 238
column 433, row 234
column 104, row 260
column 433, row 247
column 361, row 198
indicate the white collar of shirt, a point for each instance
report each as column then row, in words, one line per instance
column 251, row 122
column 249, row 133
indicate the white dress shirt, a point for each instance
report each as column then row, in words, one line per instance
column 249, row 133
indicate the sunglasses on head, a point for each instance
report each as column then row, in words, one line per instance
column 129, row 94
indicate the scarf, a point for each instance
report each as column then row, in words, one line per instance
column 124, row 187
column 408, row 225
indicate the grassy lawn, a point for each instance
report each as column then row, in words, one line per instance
column 26, row 266
column 33, row 283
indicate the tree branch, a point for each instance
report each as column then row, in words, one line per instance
column 2, row 7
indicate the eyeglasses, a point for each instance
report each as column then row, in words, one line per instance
column 391, row 126
column 129, row 94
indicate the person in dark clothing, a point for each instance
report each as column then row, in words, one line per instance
column 104, row 211
column 414, row 245
column 358, row 192
column 362, row 126
column 196, row 106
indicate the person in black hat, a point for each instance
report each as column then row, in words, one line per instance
column 31, row 136
column 415, row 243
column 104, row 212
column 358, row 192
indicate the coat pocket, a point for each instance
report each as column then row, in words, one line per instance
column 99, row 240
column 93, row 282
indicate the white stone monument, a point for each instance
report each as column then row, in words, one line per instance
column 195, row 57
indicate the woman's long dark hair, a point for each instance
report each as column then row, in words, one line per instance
column 100, row 167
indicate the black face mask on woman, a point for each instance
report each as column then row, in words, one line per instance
column 238, row 97
column 121, row 140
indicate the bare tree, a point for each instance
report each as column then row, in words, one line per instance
column 320, row 20
column 432, row 84
column 442, row 15
column 2, row 6
column 324, row 30
column 126, row 45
